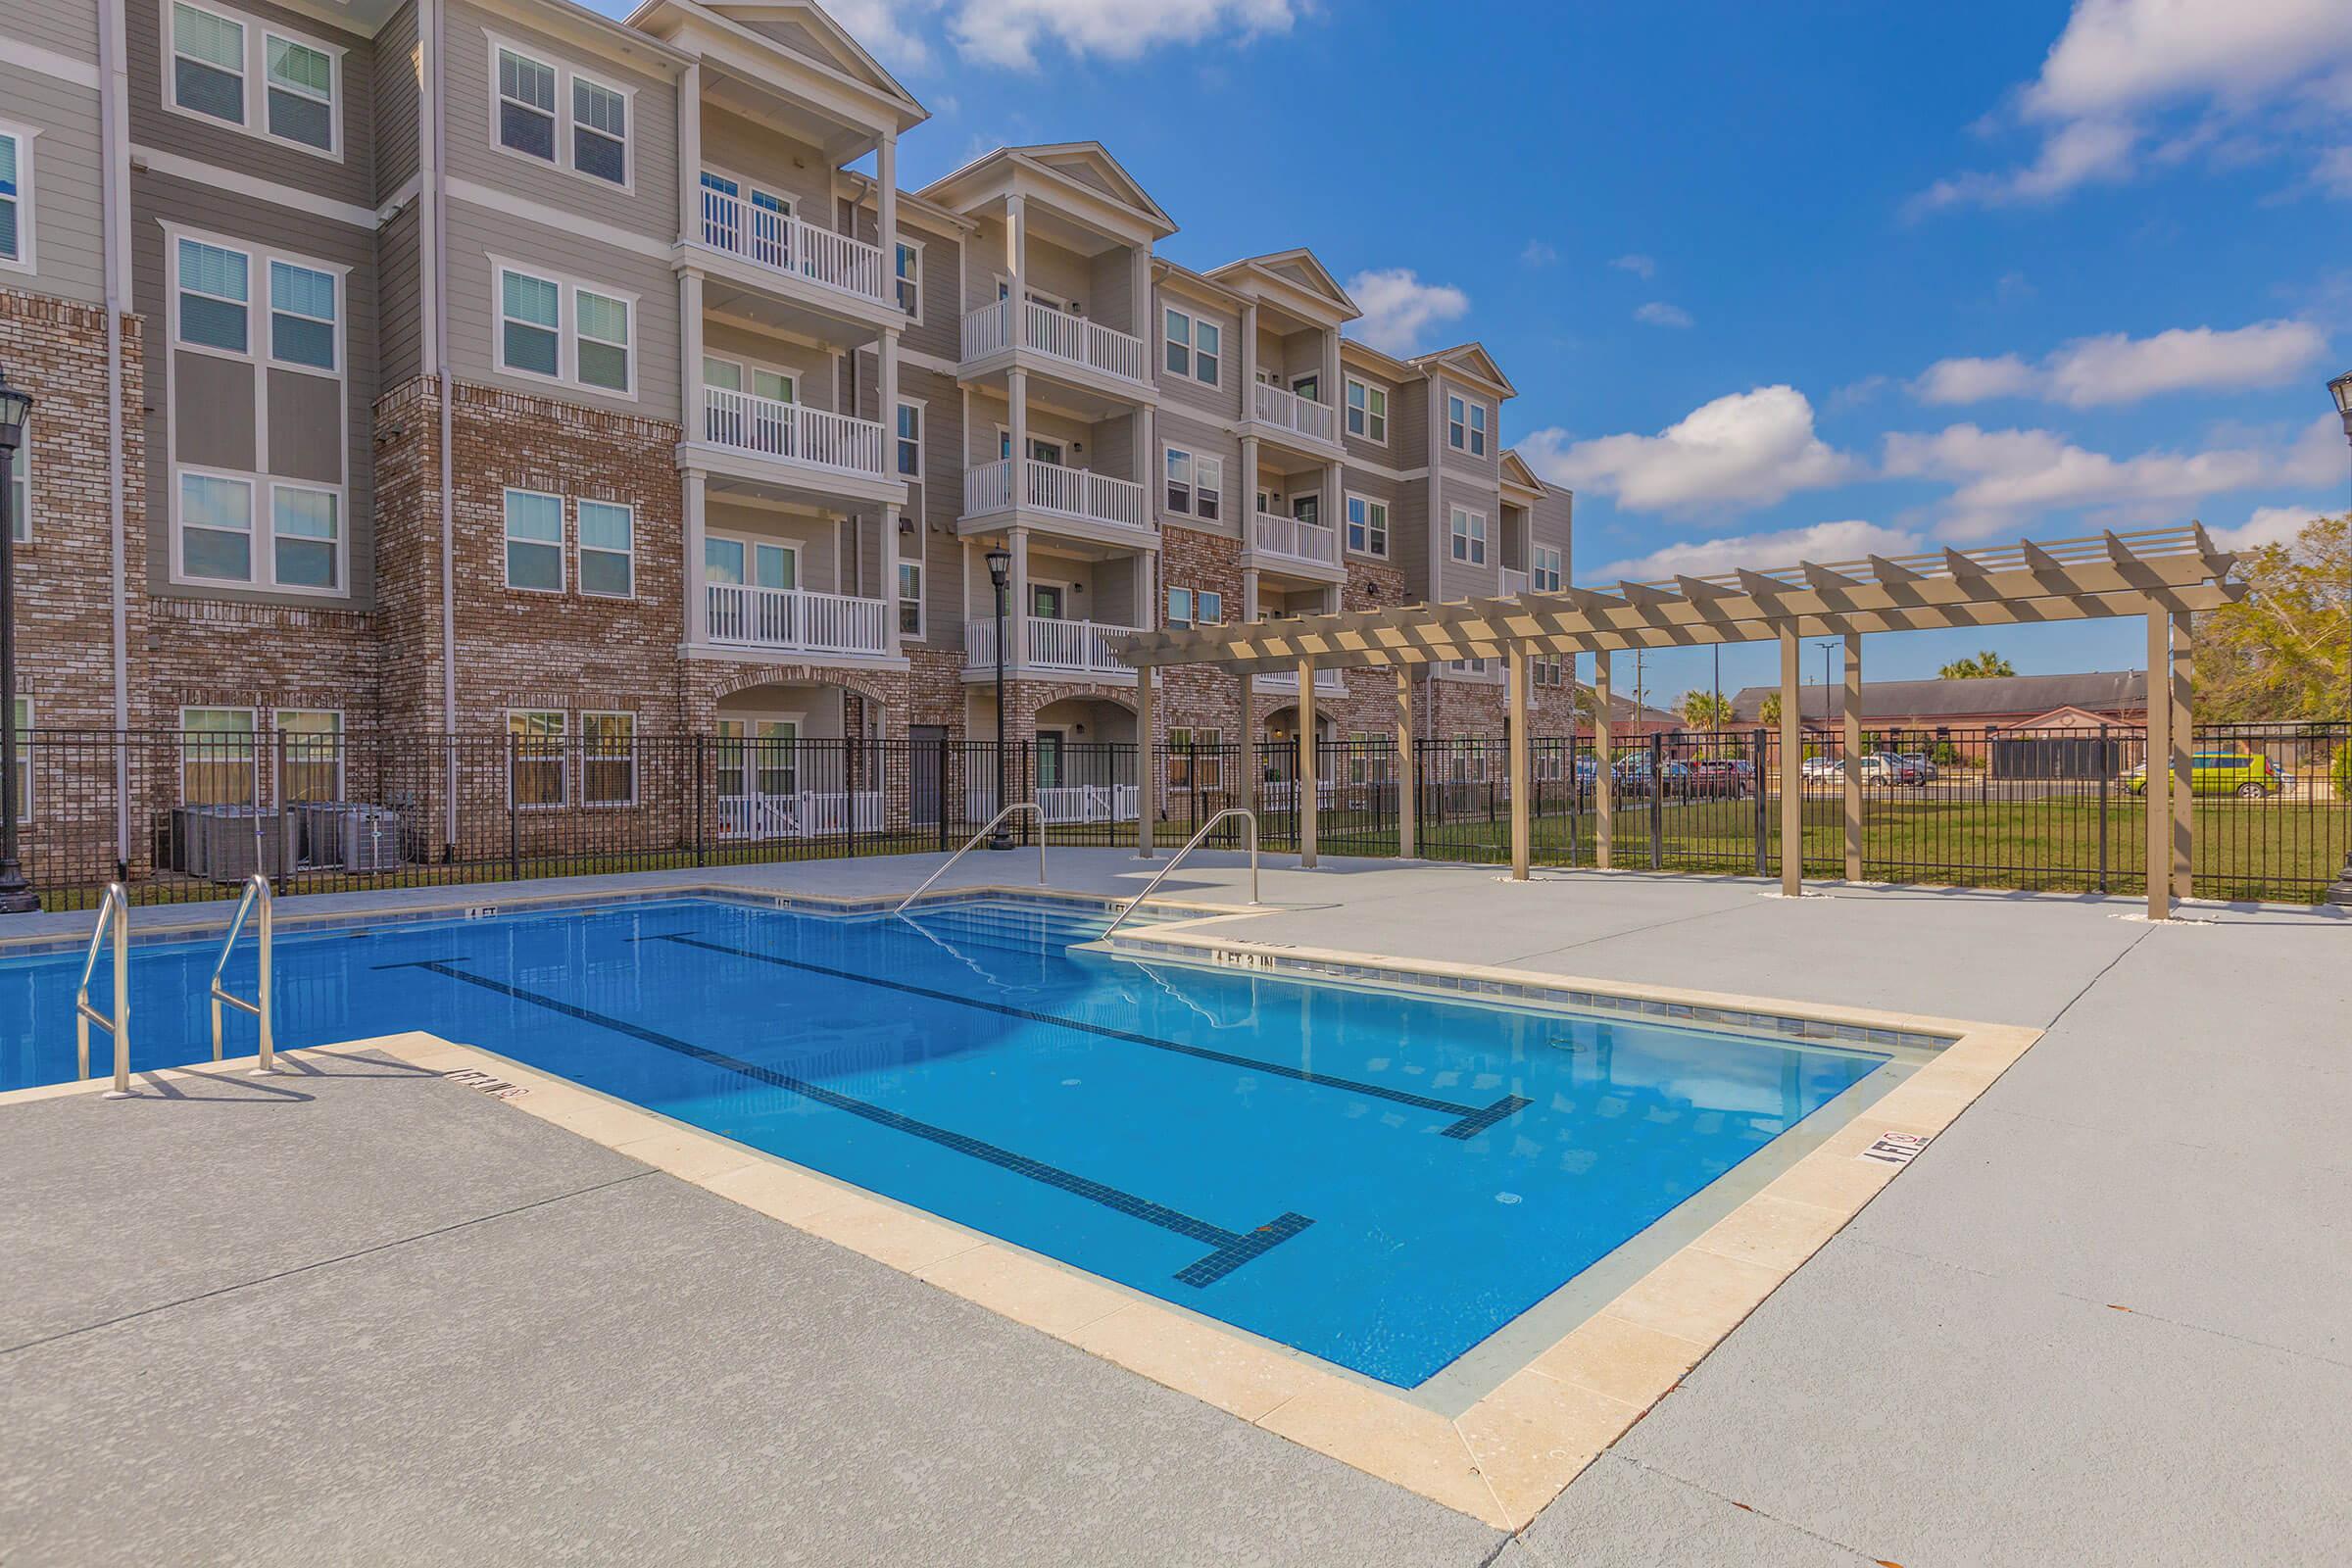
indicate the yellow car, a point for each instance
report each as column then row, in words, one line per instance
column 2249, row 775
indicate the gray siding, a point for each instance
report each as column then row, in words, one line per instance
column 53, row 25
column 398, row 104
column 302, row 451
column 69, row 219
column 350, row 179
column 1555, row 524
column 1184, row 394
column 940, row 331
column 1460, row 579
column 935, row 503
column 1374, row 487
column 1205, row 438
column 1488, row 468
column 1110, row 290
column 1393, row 453
column 401, row 340
column 769, row 158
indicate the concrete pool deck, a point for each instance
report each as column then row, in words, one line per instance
column 365, row 1312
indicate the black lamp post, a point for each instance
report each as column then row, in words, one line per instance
column 16, row 895
column 999, row 573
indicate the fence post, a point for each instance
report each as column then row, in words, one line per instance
column 939, row 792
column 514, row 821
column 2105, row 767
column 1658, row 800
column 700, row 789
column 1761, row 772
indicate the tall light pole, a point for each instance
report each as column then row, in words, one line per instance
column 1827, row 709
column 2341, row 389
column 999, row 573
column 16, row 895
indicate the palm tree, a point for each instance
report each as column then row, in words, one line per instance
column 1769, row 714
column 1706, row 711
column 1983, row 665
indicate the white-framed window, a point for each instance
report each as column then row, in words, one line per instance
column 24, row 718
column 311, row 742
column 1208, row 488
column 1194, row 346
column 535, row 771
column 302, row 316
column 1180, row 480
column 534, row 533
column 1367, row 526
column 911, row 440
column 1478, row 429
column 216, row 746
column 1466, row 425
column 1195, row 607
column 1545, row 578
column 607, row 549
column 216, row 54
column 910, row 598
column 213, row 297
column 556, row 328
column 1469, row 536
column 1368, row 411
column 910, row 270
column 16, row 197
column 549, row 111
column 608, row 758
column 306, row 537
column 216, row 527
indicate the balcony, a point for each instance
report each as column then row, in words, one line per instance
column 796, row 620
column 786, row 248
column 1328, row 682
column 1079, row 495
column 787, row 432
column 1514, row 583
column 1288, row 543
column 1059, row 647
column 1289, row 412
column 1072, row 340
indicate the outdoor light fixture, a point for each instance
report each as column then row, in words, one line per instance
column 16, row 407
column 1000, row 574
column 2341, row 386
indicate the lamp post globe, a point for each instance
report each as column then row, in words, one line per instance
column 16, row 895
column 999, row 576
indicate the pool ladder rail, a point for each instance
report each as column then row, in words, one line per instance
column 993, row 823
column 114, row 920
column 1177, row 859
column 255, row 898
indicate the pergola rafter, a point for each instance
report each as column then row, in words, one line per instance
column 2164, row 574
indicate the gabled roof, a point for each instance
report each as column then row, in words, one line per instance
column 846, row 53
column 1515, row 470
column 1086, row 163
column 1470, row 359
column 1388, row 364
column 1298, row 268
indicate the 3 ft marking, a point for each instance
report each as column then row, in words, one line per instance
column 496, row 1088
column 1894, row 1148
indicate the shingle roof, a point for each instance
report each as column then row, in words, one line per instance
column 2099, row 691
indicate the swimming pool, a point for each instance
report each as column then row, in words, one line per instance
column 1384, row 1180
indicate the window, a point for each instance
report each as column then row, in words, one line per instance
column 603, row 346
column 600, row 131
column 1207, row 354
column 1195, row 759
column 1180, row 607
column 535, row 758
column 530, row 326
column 910, row 598
column 16, row 199
column 216, row 528
column 1470, row 536
column 213, row 283
column 1180, row 480
column 911, row 440
column 1478, row 429
column 301, row 93
column 1179, row 343
column 1367, row 410
column 534, row 541
column 1194, row 348
column 306, row 534
column 910, row 278
column 216, row 757
column 311, row 742
column 1195, row 607
column 608, row 542
column 608, row 758
column 302, row 316
column 527, row 105
column 1466, row 426
column 1367, row 526
column 1546, row 576
column 1209, row 487
column 207, row 64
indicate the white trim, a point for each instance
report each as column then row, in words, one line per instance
column 506, row 543
column 588, row 757
column 172, row 166
column 49, row 63
column 577, row 226
column 1348, row 383
column 1461, row 538
column 223, row 750
column 581, row 548
column 562, row 759
column 277, row 727
column 922, row 601
column 253, row 108
column 914, row 318
column 567, row 328
column 755, row 541
column 335, row 276
column 923, row 440
column 1536, row 572
column 340, row 588
column 1194, row 320
column 564, row 151
column 1386, row 525
column 25, row 258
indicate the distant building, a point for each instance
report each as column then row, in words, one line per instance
column 2081, row 700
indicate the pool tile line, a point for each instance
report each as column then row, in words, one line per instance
column 1232, row 1248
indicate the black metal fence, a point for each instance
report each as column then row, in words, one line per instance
column 2059, row 810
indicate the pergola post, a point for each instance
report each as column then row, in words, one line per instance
column 1147, row 756
column 2184, row 747
column 1604, row 778
column 1852, row 710
column 2158, row 775
column 1246, row 738
column 1518, row 763
column 1306, row 764
column 1792, row 769
column 1407, row 789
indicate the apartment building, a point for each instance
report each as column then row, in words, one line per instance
column 495, row 367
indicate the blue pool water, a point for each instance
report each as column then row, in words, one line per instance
column 1377, row 1179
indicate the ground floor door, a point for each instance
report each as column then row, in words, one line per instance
column 1048, row 759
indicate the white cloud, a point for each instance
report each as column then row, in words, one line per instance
column 1640, row 266
column 1747, row 448
column 1657, row 313
column 2093, row 372
column 2269, row 525
column 1539, row 254
column 2243, row 73
column 1849, row 540
column 1398, row 307
column 887, row 28
column 1009, row 33
column 2335, row 172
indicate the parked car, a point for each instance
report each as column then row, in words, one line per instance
column 1819, row 769
column 2249, row 775
column 1886, row 768
column 1925, row 764
column 1721, row 778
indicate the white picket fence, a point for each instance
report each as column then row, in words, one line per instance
column 808, row 814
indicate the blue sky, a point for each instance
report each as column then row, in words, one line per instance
column 1771, row 280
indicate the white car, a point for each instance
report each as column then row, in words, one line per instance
column 1823, row 768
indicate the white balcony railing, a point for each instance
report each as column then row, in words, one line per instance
column 1057, row 333
column 806, row 814
column 1275, row 405
column 1514, row 583
column 1049, row 487
column 1328, row 682
column 1074, row 647
column 796, row 620
column 787, row 431
column 1294, row 539
column 769, row 239
column 1060, row 803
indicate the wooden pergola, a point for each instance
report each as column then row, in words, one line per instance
column 2165, row 575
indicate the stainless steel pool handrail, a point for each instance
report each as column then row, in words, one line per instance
column 993, row 823
column 256, row 897
column 1177, row 859
column 114, row 918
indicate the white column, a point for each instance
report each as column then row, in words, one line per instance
column 1306, row 764
column 690, row 153
column 1152, row 467
column 1250, row 450
column 1406, row 803
column 1145, row 316
column 1016, row 396
column 1147, row 589
column 698, row 599
column 690, row 356
column 1249, row 368
column 1248, row 593
column 1016, row 262
column 889, row 380
column 1519, row 769
column 886, row 207
column 1016, row 604
column 1146, row 793
column 1334, row 515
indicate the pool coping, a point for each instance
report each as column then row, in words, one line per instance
column 1502, row 1459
